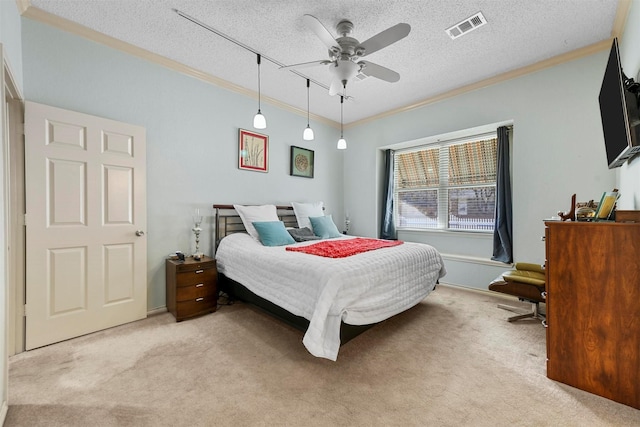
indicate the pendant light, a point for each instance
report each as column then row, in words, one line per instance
column 259, row 121
column 342, row 143
column 307, row 135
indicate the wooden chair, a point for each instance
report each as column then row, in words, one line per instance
column 527, row 282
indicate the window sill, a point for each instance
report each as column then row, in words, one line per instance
column 475, row 260
column 458, row 233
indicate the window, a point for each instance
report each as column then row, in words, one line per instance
column 447, row 186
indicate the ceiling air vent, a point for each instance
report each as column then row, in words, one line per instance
column 361, row 76
column 466, row 26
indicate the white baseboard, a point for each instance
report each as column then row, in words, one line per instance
column 3, row 412
column 157, row 310
column 480, row 291
column 475, row 260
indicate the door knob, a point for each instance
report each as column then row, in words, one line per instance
column 139, row 233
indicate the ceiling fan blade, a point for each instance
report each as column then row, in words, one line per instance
column 323, row 34
column 307, row 64
column 378, row 71
column 385, row 38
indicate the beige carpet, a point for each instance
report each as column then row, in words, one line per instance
column 452, row 360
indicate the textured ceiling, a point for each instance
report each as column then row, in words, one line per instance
column 518, row 33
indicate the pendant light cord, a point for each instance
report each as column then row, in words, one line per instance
column 258, row 82
column 341, row 108
column 308, row 102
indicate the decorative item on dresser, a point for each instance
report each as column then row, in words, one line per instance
column 593, row 315
column 570, row 215
column 192, row 287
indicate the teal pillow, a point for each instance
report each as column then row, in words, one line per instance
column 273, row 233
column 324, row 227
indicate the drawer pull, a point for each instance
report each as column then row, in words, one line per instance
column 544, row 295
column 199, row 285
column 199, row 271
column 199, row 299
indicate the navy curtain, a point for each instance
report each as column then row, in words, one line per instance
column 388, row 228
column 503, row 229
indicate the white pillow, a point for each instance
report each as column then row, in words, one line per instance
column 260, row 213
column 304, row 210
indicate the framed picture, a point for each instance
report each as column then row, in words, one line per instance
column 253, row 151
column 606, row 205
column 301, row 162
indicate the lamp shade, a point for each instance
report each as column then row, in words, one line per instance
column 342, row 144
column 307, row 135
column 259, row 121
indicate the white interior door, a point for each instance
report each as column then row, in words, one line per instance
column 86, row 215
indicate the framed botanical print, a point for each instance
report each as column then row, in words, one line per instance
column 301, row 162
column 253, row 151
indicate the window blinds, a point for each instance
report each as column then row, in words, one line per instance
column 443, row 185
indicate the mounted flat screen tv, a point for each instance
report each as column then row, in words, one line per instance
column 619, row 112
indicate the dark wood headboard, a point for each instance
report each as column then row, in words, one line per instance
column 228, row 221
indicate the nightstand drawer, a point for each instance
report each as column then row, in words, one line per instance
column 191, row 265
column 195, row 277
column 198, row 290
column 195, row 306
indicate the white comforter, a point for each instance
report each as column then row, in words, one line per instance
column 360, row 289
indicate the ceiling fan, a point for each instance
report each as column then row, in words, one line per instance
column 345, row 52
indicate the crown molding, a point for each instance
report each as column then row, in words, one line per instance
column 547, row 63
column 620, row 20
column 64, row 24
column 23, row 5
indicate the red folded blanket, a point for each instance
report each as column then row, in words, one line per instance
column 344, row 248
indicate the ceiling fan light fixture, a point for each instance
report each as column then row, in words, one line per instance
column 259, row 121
column 307, row 135
column 344, row 70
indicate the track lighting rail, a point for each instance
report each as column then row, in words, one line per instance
column 246, row 47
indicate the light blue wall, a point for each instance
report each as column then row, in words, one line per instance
column 557, row 150
column 629, row 173
column 10, row 37
column 192, row 134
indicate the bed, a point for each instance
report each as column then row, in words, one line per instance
column 331, row 299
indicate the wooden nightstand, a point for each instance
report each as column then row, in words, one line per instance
column 191, row 287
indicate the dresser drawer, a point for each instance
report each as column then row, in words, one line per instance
column 191, row 292
column 195, row 307
column 195, row 277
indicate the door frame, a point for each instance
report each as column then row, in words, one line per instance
column 11, row 97
column 13, row 151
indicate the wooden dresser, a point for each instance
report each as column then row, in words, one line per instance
column 593, row 307
column 191, row 287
